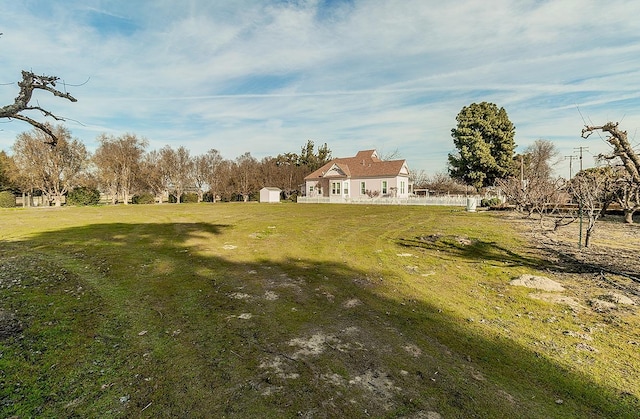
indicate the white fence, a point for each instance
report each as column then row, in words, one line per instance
column 449, row 200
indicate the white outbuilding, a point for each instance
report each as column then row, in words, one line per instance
column 270, row 194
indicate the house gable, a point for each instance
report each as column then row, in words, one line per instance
column 336, row 171
column 365, row 164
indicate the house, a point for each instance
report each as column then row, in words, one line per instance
column 362, row 176
column 270, row 194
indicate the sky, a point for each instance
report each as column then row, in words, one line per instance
column 266, row 76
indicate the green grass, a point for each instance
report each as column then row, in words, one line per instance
column 248, row 310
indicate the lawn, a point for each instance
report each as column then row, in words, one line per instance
column 287, row 310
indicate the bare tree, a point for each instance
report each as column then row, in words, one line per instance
column 389, row 155
column 289, row 173
column 590, row 188
column 214, row 173
column 443, row 184
column 535, row 190
column 225, row 181
column 30, row 83
column 20, row 180
column 245, row 171
column 153, row 175
column 177, row 166
column 7, row 170
column 545, row 197
column 630, row 159
column 625, row 192
column 118, row 162
column 53, row 170
column 200, row 170
column 419, row 178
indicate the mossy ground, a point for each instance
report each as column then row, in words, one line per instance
column 254, row 310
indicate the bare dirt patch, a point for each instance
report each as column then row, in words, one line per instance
column 537, row 282
column 609, row 267
column 353, row 302
column 9, row 325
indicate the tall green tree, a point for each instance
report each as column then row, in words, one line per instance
column 485, row 142
column 314, row 160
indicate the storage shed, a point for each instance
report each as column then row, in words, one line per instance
column 270, row 194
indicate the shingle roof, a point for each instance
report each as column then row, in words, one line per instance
column 365, row 164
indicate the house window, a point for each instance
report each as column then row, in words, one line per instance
column 402, row 187
column 345, row 188
column 310, row 189
column 363, row 188
column 335, row 188
column 384, row 186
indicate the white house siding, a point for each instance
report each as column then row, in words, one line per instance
column 375, row 184
column 352, row 171
column 354, row 187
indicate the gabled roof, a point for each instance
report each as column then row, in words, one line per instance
column 365, row 164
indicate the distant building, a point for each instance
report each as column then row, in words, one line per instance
column 270, row 194
column 360, row 176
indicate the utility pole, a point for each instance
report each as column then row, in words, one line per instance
column 581, row 149
column 570, row 164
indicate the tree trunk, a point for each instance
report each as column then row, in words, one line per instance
column 604, row 209
column 591, row 224
column 628, row 215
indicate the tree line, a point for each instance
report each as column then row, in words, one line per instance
column 124, row 169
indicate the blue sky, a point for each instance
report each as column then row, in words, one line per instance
column 266, row 76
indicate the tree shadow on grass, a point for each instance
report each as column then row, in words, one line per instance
column 471, row 249
column 140, row 320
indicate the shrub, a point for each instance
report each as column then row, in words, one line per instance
column 189, row 197
column 144, row 198
column 83, row 195
column 7, row 199
column 184, row 198
column 491, row 202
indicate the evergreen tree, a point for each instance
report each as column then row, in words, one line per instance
column 484, row 138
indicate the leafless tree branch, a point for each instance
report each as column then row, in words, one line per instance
column 31, row 82
column 621, row 147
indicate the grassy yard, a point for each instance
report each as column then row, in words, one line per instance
column 256, row 310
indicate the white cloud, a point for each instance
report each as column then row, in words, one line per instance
column 265, row 77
